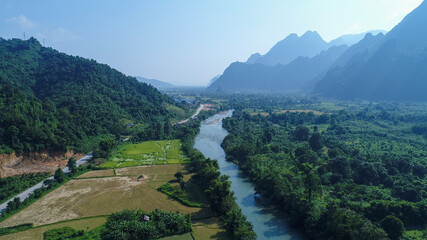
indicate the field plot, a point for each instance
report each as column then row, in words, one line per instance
column 102, row 196
column 100, row 173
column 37, row 233
column 203, row 232
column 148, row 153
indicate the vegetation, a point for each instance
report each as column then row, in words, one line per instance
column 52, row 101
column 147, row 153
column 18, row 228
column 62, row 233
column 134, row 225
column 11, row 186
column 176, row 192
column 358, row 178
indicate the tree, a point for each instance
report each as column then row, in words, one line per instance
column 301, row 133
column 72, row 166
column 179, row 175
column 59, row 175
column 393, row 226
column 316, row 141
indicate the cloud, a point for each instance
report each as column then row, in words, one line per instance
column 23, row 22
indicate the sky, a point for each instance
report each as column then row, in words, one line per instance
column 187, row 42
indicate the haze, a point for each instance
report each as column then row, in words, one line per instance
column 187, row 42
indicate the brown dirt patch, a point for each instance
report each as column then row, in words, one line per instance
column 100, row 173
column 13, row 164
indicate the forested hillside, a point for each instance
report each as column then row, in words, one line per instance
column 349, row 175
column 53, row 101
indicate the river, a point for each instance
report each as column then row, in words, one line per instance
column 268, row 222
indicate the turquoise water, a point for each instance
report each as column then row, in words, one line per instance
column 268, row 222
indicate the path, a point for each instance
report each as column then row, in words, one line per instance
column 192, row 117
column 25, row 194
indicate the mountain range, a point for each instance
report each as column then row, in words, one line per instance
column 155, row 83
column 373, row 66
column 389, row 67
column 292, row 77
column 289, row 66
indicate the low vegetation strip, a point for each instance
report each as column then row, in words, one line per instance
column 147, row 153
column 36, row 233
column 178, row 194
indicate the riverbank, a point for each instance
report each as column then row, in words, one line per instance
column 267, row 221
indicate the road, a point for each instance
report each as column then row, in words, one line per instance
column 25, row 194
column 192, row 117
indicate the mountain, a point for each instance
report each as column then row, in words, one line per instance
column 392, row 68
column 50, row 101
column 214, row 79
column 351, row 39
column 155, row 83
column 308, row 45
column 290, row 77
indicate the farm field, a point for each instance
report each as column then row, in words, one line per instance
column 81, row 198
column 37, row 233
column 147, row 153
column 100, row 173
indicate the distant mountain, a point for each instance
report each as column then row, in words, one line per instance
column 155, row 83
column 308, row 45
column 392, row 67
column 290, row 77
column 50, row 101
column 213, row 79
column 351, row 39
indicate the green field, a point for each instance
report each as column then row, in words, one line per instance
column 147, row 153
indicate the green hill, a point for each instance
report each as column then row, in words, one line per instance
column 53, row 101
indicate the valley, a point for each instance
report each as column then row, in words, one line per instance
column 317, row 131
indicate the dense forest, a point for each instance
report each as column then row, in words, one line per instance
column 53, row 101
column 358, row 174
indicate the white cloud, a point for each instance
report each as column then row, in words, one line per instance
column 23, row 22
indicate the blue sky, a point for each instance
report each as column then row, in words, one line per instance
column 187, row 42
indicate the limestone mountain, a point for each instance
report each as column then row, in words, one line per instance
column 290, row 77
column 390, row 67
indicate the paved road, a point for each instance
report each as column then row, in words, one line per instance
column 192, row 117
column 30, row 190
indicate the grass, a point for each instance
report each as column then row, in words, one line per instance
column 37, row 232
column 186, row 236
column 415, row 234
column 147, row 153
column 184, row 197
column 19, row 228
column 203, row 232
column 80, row 198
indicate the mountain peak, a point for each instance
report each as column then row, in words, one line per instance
column 311, row 34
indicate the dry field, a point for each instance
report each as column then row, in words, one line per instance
column 203, row 232
column 103, row 196
column 100, row 173
column 37, row 233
